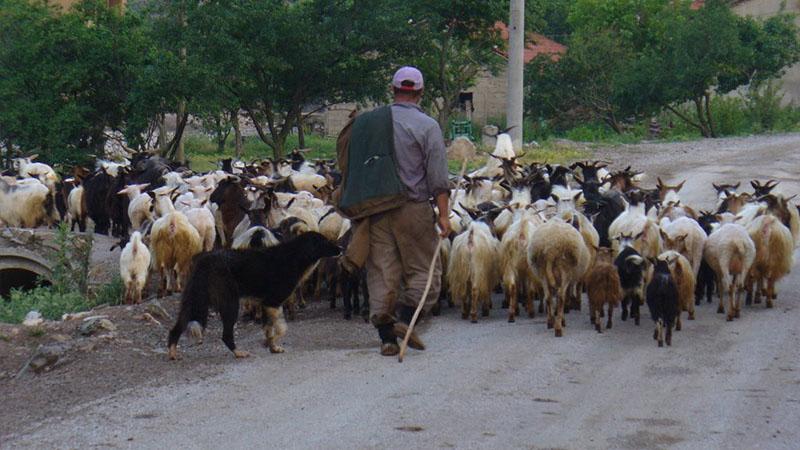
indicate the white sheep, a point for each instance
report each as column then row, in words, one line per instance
column 134, row 266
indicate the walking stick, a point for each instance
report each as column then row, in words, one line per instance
column 465, row 152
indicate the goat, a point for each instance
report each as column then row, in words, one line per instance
column 706, row 278
column 472, row 270
column 662, row 300
column 684, row 279
column 26, row 168
column 559, row 258
column 730, row 252
column 134, row 265
column 173, row 243
column 774, row 256
column 517, row 275
column 220, row 278
column 630, row 267
column 603, row 288
column 27, row 204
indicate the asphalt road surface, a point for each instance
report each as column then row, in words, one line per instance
column 500, row 385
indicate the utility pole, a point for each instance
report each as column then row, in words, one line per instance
column 516, row 53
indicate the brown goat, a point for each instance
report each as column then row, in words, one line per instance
column 603, row 287
column 774, row 256
column 681, row 270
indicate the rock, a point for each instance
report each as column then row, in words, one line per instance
column 92, row 325
column 33, row 319
column 73, row 316
column 47, row 356
column 60, row 337
column 157, row 311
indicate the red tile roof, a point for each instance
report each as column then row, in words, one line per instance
column 536, row 45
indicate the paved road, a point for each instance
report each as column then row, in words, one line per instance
column 495, row 384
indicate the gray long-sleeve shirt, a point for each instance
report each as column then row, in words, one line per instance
column 420, row 151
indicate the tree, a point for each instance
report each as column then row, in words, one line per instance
column 66, row 76
column 452, row 46
column 282, row 60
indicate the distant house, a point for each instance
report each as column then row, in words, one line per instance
column 487, row 99
column 481, row 103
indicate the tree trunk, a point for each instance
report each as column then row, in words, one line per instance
column 444, row 118
column 708, row 115
column 237, row 135
column 163, row 143
column 180, row 154
column 301, row 135
column 703, row 125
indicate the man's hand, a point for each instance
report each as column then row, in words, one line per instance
column 442, row 200
column 444, row 226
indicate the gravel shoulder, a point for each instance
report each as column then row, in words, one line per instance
column 494, row 384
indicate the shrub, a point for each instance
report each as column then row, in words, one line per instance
column 51, row 303
column 110, row 293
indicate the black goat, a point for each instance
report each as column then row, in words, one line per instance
column 96, row 189
column 630, row 266
column 706, row 278
column 220, row 278
column 662, row 300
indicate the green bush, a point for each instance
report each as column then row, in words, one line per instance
column 51, row 303
column 69, row 287
column 110, row 293
column 730, row 116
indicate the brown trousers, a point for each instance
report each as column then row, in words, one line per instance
column 401, row 245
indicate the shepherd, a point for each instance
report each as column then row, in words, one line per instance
column 394, row 165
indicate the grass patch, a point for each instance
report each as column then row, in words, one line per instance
column 50, row 303
column 110, row 293
column 203, row 155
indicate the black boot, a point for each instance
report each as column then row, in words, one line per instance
column 389, row 345
column 406, row 313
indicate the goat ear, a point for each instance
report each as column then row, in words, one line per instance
column 716, row 187
column 664, row 235
column 555, row 197
column 679, row 186
column 755, row 184
column 33, row 156
column 578, row 179
column 577, row 196
column 659, row 183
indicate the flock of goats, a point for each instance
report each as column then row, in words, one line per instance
column 537, row 230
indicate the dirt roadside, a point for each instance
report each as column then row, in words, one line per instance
column 106, row 366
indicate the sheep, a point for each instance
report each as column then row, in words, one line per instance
column 559, row 258
column 630, row 267
column 662, row 301
column 603, row 288
column 26, row 205
column 774, row 256
column 26, row 168
column 472, row 271
column 730, row 252
column 681, row 271
column 517, row 276
column 173, row 243
column 134, row 264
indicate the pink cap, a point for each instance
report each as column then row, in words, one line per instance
column 408, row 73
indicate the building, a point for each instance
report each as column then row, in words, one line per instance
column 482, row 103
